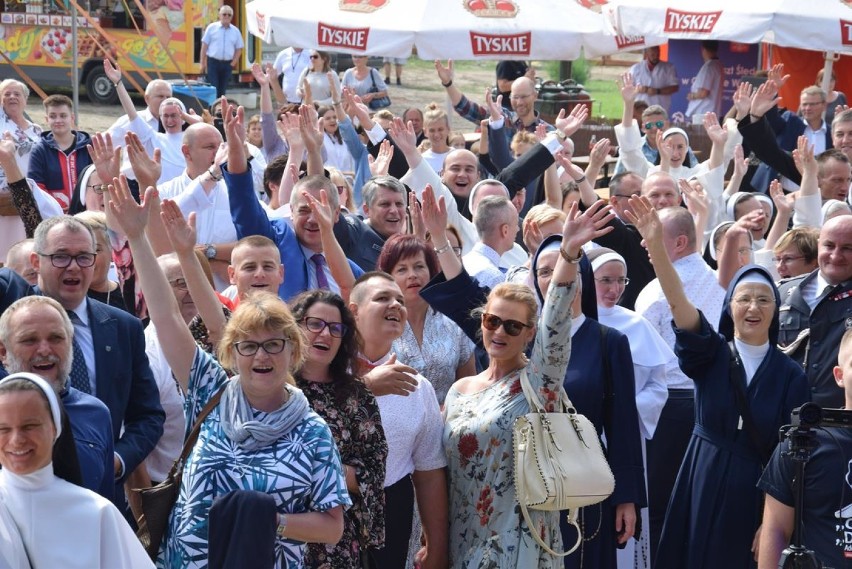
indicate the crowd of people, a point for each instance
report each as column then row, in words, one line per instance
column 342, row 304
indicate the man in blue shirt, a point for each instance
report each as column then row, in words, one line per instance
column 221, row 47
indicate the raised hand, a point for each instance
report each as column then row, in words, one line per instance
column 645, row 218
column 147, row 169
column 322, row 211
column 332, row 85
column 445, row 74
column 580, row 228
column 696, row 198
column 131, row 217
column 113, row 72
column 403, row 136
column 288, row 124
column 753, row 220
column 308, row 125
column 495, row 108
column 540, row 131
column 803, row 156
column 776, row 74
column 418, row 228
column 764, row 99
column 742, row 99
column 434, row 212
column 717, row 133
column 784, row 203
column 379, row 166
column 575, row 119
column 307, row 94
column 599, row 152
column 571, row 169
column 180, row 231
column 665, row 149
column 105, row 157
column 627, row 87
column 260, row 75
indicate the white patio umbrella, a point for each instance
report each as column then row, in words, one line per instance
column 373, row 27
column 823, row 26
column 731, row 20
column 446, row 29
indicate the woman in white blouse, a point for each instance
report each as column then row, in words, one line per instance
column 317, row 78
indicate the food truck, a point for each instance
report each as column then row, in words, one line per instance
column 147, row 38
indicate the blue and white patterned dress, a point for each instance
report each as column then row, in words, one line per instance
column 301, row 470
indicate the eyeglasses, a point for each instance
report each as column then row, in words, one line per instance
column 457, row 251
column 617, row 196
column 761, row 301
column 544, row 273
column 609, row 281
column 179, row 284
column 512, row 327
column 787, row 259
column 271, row 346
column 98, row 188
column 520, row 97
column 658, row 124
column 317, row 325
column 63, row 260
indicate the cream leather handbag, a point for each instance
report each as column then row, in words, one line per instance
column 559, row 463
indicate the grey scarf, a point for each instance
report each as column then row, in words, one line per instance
column 249, row 434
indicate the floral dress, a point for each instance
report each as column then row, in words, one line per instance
column 301, row 470
column 444, row 349
column 486, row 527
column 356, row 425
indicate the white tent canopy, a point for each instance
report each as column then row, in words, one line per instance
column 825, row 25
column 454, row 29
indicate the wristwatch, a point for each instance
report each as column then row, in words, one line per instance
column 210, row 251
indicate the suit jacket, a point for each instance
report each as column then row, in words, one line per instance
column 771, row 139
column 830, row 319
column 250, row 218
column 124, row 382
column 361, row 243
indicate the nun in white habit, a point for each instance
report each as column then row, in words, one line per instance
column 46, row 522
column 651, row 356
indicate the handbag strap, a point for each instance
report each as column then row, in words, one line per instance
column 744, row 408
column 373, row 79
column 535, row 403
column 196, row 429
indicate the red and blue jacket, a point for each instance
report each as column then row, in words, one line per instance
column 56, row 171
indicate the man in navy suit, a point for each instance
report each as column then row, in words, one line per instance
column 114, row 365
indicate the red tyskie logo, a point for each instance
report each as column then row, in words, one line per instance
column 623, row 42
column 334, row 36
column 845, row 32
column 500, row 44
column 698, row 22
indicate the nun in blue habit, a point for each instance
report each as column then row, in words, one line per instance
column 745, row 389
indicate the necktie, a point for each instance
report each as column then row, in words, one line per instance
column 79, row 378
column 319, row 262
column 825, row 292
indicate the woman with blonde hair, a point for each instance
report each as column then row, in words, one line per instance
column 436, row 125
column 261, row 437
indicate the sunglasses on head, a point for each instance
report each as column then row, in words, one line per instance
column 512, row 327
column 658, row 124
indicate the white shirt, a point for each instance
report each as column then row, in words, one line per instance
column 701, row 288
column 663, row 75
column 483, row 264
column 168, row 448
column 122, row 125
column 709, row 77
column 816, row 137
column 290, row 64
column 213, row 222
column 414, row 430
column 63, row 525
column 338, row 154
column 435, row 159
column 172, row 158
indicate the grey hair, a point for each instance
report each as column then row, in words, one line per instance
column 372, row 186
column 71, row 223
column 492, row 212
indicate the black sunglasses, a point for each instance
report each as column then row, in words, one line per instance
column 512, row 327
